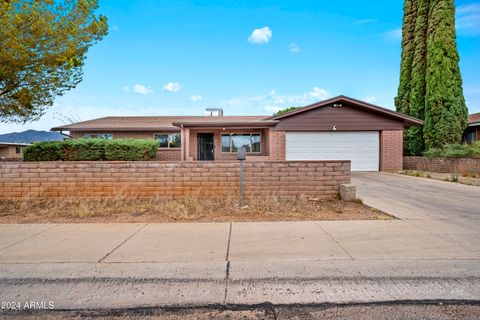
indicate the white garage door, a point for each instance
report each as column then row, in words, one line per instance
column 360, row 147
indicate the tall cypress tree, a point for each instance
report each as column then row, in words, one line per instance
column 445, row 110
column 414, row 143
column 402, row 100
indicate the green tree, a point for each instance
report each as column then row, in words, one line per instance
column 288, row 109
column 414, row 142
column 43, row 46
column 402, row 100
column 445, row 110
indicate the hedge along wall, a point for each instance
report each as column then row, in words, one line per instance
column 282, row 179
column 443, row 165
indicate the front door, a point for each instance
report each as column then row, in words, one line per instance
column 205, row 147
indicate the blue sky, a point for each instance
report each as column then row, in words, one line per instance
column 248, row 57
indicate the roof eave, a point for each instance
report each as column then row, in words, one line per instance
column 263, row 124
column 97, row 129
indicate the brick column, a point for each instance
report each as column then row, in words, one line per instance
column 277, row 145
column 391, row 150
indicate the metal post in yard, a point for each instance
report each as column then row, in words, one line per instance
column 241, row 155
column 241, row 182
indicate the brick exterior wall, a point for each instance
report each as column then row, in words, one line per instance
column 277, row 144
column 165, row 154
column 442, row 165
column 391, row 150
column 280, row 179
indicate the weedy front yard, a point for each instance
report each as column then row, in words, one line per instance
column 186, row 210
column 470, row 179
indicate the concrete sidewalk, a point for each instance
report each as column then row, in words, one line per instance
column 130, row 265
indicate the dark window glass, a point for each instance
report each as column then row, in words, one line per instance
column 175, row 140
column 162, row 140
column 106, row 136
column 248, row 141
column 255, row 142
column 226, row 142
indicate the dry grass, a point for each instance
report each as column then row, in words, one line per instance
column 468, row 178
column 185, row 210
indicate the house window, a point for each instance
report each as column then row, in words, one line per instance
column 18, row 150
column 168, row 140
column 235, row 141
column 105, row 136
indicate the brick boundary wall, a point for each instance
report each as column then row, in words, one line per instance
column 442, row 165
column 153, row 179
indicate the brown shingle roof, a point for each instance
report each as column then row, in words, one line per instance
column 153, row 123
column 474, row 117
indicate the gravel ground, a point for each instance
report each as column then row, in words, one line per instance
column 438, row 311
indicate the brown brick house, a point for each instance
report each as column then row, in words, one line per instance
column 472, row 133
column 340, row 128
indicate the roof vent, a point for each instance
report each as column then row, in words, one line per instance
column 214, row 112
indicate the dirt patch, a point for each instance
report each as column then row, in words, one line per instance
column 186, row 210
column 469, row 179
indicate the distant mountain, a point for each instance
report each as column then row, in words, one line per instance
column 31, row 136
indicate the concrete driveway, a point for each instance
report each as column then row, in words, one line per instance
column 413, row 198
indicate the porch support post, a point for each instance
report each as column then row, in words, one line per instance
column 187, row 144
column 182, row 144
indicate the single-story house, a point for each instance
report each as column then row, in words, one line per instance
column 472, row 133
column 340, row 128
column 12, row 151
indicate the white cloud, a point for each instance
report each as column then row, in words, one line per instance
column 141, row 89
column 468, row 19
column 318, row 93
column 395, row 34
column 272, row 102
column 370, row 99
column 196, row 98
column 365, row 21
column 272, row 109
column 262, row 35
column 172, row 87
column 293, row 48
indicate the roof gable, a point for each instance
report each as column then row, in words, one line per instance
column 407, row 120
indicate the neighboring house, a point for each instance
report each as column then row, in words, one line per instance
column 340, row 128
column 12, row 151
column 472, row 133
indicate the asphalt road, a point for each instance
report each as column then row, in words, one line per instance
column 357, row 312
column 418, row 198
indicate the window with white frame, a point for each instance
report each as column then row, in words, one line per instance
column 234, row 141
column 168, row 140
column 105, row 136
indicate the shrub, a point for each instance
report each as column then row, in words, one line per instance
column 84, row 149
column 131, row 149
column 455, row 151
column 43, row 151
column 92, row 150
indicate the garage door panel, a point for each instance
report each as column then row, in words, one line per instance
column 362, row 148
